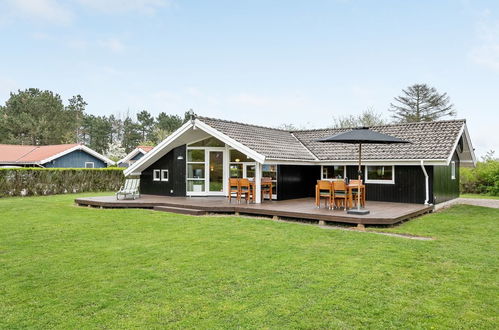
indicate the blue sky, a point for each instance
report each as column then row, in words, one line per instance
column 262, row 62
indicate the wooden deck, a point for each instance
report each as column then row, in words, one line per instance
column 381, row 212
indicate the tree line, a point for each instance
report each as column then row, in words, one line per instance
column 40, row 117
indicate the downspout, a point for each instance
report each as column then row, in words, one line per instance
column 426, row 182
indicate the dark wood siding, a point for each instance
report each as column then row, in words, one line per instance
column 409, row 186
column 444, row 187
column 175, row 186
column 294, row 181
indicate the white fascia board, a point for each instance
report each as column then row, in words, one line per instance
column 405, row 162
column 230, row 141
column 454, row 146
column 130, row 155
column 470, row 146
column 135, row 168
column 79, row 147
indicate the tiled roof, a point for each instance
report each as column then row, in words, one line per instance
column 26, row 154
column 271, row 142
column 145, row 148
column 429, row 140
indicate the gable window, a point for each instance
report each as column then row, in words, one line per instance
column 156, row 175
column 164, row 175
column 380, row 174
column 453, row 170
column 89, row 165
column 333, row 172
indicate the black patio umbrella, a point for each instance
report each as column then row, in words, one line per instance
column 362, row 135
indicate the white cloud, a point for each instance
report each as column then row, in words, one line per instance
column 112, row 44
column 120, row 6
column 40, row 10
column 486, row 52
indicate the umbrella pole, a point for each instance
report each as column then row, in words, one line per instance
column 359, row 176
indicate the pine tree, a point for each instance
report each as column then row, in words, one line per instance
column 420, row 102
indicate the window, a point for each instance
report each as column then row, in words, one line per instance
column 333, row 172
column 238, row 157
column 209, row 142
column 453, row 170
column 156, row 175
column 380, row 174
column 270, row 171
column 89, row 165
column 164, row 175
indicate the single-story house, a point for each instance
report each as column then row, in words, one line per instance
column 200, row 157
column 134, row 155
column 51, row 156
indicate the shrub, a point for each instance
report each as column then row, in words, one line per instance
column 49, row 181
column 483, row 179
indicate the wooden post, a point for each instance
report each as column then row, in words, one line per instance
column 258, row 183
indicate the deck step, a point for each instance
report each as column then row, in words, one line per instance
column 179, row 210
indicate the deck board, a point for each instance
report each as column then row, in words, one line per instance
column 302, row 208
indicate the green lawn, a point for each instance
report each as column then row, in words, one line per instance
column 65, row 266
column 478, row 196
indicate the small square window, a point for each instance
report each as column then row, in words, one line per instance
column 89, row 165
column 164, row 175
column 156, row 175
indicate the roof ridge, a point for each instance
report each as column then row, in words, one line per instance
column 387, row 125
column 245, row 124
column 304, row 146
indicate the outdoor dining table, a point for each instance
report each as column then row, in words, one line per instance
column 350, row 188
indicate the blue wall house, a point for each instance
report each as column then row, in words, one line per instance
column 134, row 156
column 52, row 156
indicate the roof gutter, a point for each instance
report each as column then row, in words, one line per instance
column 427, row 183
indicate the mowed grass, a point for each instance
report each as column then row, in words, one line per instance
column 63, row 266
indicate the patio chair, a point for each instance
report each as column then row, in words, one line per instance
column 233, row 189
column 323, row 191
column 354, row 184
column 130, row 188
column 267, row 187
column 340, row 194
column 245, row 189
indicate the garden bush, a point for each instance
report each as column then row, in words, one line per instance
column 49, row 181
column 483, row 179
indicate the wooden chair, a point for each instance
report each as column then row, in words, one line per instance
column 340, row 194
column 244, row 188
column 354, row 193
column 323, row 190
column 233, row 189
column 267, row 187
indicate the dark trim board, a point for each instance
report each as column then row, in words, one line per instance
column 382, row 213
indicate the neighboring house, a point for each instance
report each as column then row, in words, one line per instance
column 134, row 155
column 199, row 158
column 59, row 155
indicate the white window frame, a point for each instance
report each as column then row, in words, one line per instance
column 344, row 171
column 156, row 175
column 453, row 170
column 392, row 181
column 93, row 164
column 163, row 176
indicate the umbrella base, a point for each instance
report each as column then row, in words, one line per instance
column 358, row 212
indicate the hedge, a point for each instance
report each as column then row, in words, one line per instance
column 49, row 181
column 483, row 179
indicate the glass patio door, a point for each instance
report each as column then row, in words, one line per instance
column 216, row 171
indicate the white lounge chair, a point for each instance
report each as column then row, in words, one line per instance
column 130, row 188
